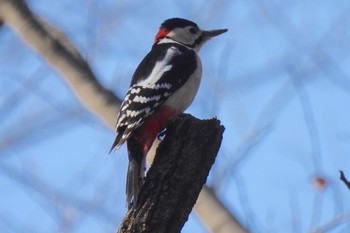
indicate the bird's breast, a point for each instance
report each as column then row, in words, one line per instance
column 184, row 96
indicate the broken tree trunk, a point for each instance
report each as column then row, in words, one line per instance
column 176, row 177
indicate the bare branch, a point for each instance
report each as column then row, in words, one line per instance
column 335, row 222
column 61, row 54
column 215, row 215
column 343, row 178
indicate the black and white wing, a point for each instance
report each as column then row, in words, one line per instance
column 161, row 73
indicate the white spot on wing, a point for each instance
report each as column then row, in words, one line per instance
column 125, row 107
column 143, row 99
column 163, row 85
column 166, row 94
column 135, row 90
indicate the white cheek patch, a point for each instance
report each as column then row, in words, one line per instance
column 183, row 35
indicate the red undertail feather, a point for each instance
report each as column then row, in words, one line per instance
column 139, row 143
column 154, row 124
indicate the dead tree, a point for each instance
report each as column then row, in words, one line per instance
column 176, row 177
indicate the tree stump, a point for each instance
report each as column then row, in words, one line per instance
column 176, row 177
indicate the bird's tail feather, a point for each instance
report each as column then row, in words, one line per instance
column 136, row 171
column 117, row 142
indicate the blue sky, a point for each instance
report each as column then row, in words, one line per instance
column 278, row 80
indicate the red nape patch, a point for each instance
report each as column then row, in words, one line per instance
column 161, row 33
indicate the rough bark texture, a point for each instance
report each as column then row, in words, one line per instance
column 176, row 177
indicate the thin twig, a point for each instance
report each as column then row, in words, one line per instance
column 343, row 178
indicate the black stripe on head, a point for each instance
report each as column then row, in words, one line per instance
column 177, row 22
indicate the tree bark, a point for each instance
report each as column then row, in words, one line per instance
column 176, row 177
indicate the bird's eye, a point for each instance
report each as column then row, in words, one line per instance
column 193, row 30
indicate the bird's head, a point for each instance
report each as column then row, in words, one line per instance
column 185, row 32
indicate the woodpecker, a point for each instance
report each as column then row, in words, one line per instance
column 163, row 85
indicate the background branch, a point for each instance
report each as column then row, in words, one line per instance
column 55, row 47
column 343, row 178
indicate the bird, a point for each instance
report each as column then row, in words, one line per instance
column 163, row 85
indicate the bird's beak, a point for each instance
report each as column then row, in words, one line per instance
column 212, row 33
